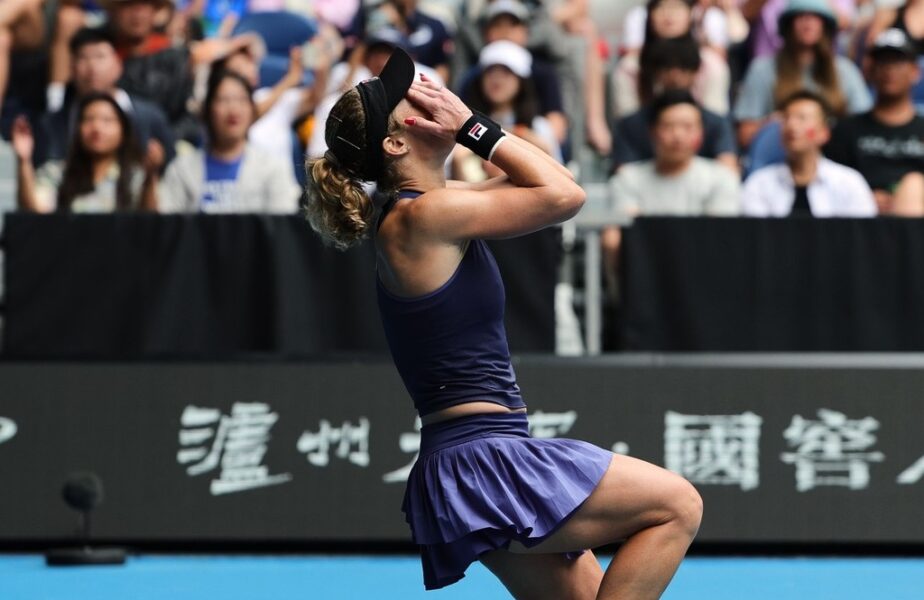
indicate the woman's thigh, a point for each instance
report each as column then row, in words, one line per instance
column 632, row 495
column 546, row 576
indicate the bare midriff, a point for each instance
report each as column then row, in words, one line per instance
column 469, row 408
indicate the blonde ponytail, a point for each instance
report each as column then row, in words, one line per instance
column 338, row 207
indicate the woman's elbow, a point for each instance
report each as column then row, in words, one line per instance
column 571, row 200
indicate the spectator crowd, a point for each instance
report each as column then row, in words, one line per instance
column 695, row 107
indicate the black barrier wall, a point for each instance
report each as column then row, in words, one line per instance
column 804, row 449
column 773, row 285
column 136, row 286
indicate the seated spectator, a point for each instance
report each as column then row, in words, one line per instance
column 764, row 15
column 96, row 70
column 669, row 19
column 229, row 175
column 807, row 183
column 279, row 106
column 429, row 42
column 886, row 145
column 152, row 68
column 808, row 60
column 675, row 63
column 71, row 17
column 676, row 181
column 102, row 173
column 568, row 57
column 508, row 20
column 155, row 69
column 22, row 27
column 504, row 92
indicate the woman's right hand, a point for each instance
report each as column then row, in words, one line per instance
column 447, row 111
column 22, row 139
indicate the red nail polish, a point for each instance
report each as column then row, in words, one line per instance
column 410, row 121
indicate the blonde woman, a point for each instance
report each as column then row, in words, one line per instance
column 482, row 488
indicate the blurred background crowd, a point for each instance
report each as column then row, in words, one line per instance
column 693, row 107
column 715, row 107
column 686, row 107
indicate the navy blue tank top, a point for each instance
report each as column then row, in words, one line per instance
column 450, row 346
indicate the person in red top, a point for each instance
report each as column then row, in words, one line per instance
column 155, row 68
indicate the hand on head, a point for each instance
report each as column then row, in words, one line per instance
column 447, row 112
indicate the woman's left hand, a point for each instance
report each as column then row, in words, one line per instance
column 447, row 111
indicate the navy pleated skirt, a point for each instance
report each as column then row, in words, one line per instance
column 481, row 482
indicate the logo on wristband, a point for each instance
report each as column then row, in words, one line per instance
column 477, row 131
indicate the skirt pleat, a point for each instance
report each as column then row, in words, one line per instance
column 482, row 482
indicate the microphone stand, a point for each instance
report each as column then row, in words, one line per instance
column 86, row 554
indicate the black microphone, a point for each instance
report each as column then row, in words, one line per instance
column 83, row 491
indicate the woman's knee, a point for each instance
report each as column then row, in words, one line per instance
column 686, row 506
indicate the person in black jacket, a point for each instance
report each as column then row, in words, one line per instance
column 96, row 69
column 886, row 144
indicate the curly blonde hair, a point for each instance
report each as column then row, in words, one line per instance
column 337, row 206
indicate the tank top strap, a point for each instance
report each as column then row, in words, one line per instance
column 402, row 194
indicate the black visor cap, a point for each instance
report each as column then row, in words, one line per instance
column 380, row 95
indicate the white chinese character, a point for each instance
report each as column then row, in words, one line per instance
column 7, row 429
column 549, row 425
column 409, row 442
column 714, row 449
column 351, row 441
column 831, row 450
column 238, row 445
column 913, row 473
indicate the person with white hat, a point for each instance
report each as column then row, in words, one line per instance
column 510, row 20
column 503, row 90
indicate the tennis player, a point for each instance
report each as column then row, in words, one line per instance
column 482, row 488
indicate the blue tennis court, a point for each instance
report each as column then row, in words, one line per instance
column 25, row 577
